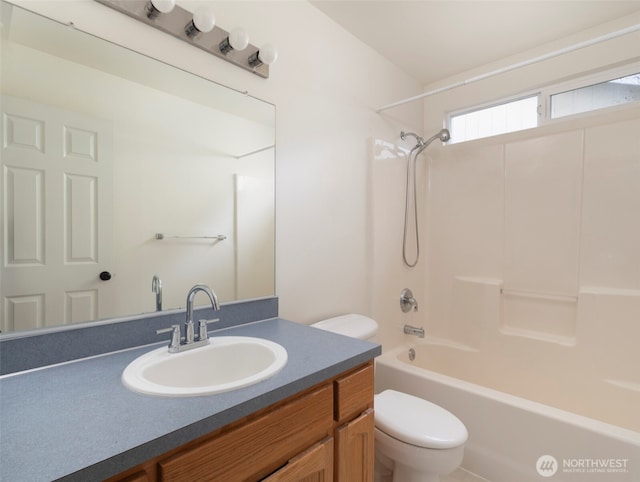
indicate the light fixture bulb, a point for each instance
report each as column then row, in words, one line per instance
column 156, row 7
column 268, row 54
column 238, row 39
column 204, row 19
column 163, row 6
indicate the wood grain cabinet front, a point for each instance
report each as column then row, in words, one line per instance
column 313, row 465
column 355, row 449
column 320, row 435
column 140, row 476
column 354, row 436
column 256, row 448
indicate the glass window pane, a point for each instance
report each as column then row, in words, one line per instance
column 498, row 119
column 597, row 96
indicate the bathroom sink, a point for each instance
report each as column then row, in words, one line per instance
column 226, row 363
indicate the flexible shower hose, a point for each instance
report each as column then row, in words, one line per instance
column 411, row 173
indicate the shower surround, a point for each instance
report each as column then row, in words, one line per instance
column 532, row 259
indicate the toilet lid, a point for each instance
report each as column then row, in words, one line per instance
column 417, row 422
column 355, row 326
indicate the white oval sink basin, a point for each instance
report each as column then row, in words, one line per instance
column 226, row 363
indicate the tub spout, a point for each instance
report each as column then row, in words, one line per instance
column 413, row 330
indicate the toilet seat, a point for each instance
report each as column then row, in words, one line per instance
column 418, row 422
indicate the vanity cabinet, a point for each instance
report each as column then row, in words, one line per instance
column 313, row 465
column 321, row 434
column 354, row 434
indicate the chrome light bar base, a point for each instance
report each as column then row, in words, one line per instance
column 174, row 23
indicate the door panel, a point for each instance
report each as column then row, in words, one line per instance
column 313, row 465
column 355, row 449
column 57, row 215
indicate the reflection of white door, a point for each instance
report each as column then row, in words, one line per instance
column 57, row 216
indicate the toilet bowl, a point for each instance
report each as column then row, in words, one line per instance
column 416, row 440
column 421, row 439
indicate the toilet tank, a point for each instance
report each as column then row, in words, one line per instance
column 355, row 326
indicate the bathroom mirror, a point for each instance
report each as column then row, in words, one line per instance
column 117, row 168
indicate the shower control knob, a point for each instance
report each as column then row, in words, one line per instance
column 407, row 301
column 105, row 276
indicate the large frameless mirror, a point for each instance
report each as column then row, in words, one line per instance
column 118, row 168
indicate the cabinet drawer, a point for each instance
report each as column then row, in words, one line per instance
column 255, row 449
column 353, row 393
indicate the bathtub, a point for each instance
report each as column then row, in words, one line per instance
column 511, row 438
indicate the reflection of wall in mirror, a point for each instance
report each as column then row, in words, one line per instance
column 170, row 176
column 254, row 230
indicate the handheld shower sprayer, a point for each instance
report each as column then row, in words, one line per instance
column 444, row 136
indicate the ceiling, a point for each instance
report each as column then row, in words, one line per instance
column 435, row 39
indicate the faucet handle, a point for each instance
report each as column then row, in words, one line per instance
column 407, row 301
column 203, row 333
column 175, row 335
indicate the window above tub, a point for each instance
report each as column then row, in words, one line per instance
column 609, row 93
column 580, row 96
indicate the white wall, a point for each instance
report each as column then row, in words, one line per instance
column 325, row 85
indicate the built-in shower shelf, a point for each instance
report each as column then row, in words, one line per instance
column 539, row 315
column 538, row 335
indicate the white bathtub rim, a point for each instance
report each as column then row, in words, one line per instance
column 447, row 343
column 596, row 426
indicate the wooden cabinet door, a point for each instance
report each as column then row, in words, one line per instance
column 355, row 449
column 313, row 465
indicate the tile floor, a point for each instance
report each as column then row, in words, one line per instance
column 461, row 475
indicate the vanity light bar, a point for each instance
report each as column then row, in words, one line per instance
column 176, row 22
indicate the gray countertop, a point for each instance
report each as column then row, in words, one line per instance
column 76, row 421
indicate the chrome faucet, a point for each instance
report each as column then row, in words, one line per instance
column 156, row 287
column 413, row 330
column 202, row 332
column 179, row 344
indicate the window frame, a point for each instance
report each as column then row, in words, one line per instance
column 587, row 80
column 544, row 98
column 490, row 105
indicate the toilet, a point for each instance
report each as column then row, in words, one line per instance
column 416, row 440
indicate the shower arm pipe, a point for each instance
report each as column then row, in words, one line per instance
column 515, row 66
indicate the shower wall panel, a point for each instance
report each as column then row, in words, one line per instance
column 534, row 248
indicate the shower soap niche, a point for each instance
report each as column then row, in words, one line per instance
column 541, row 316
